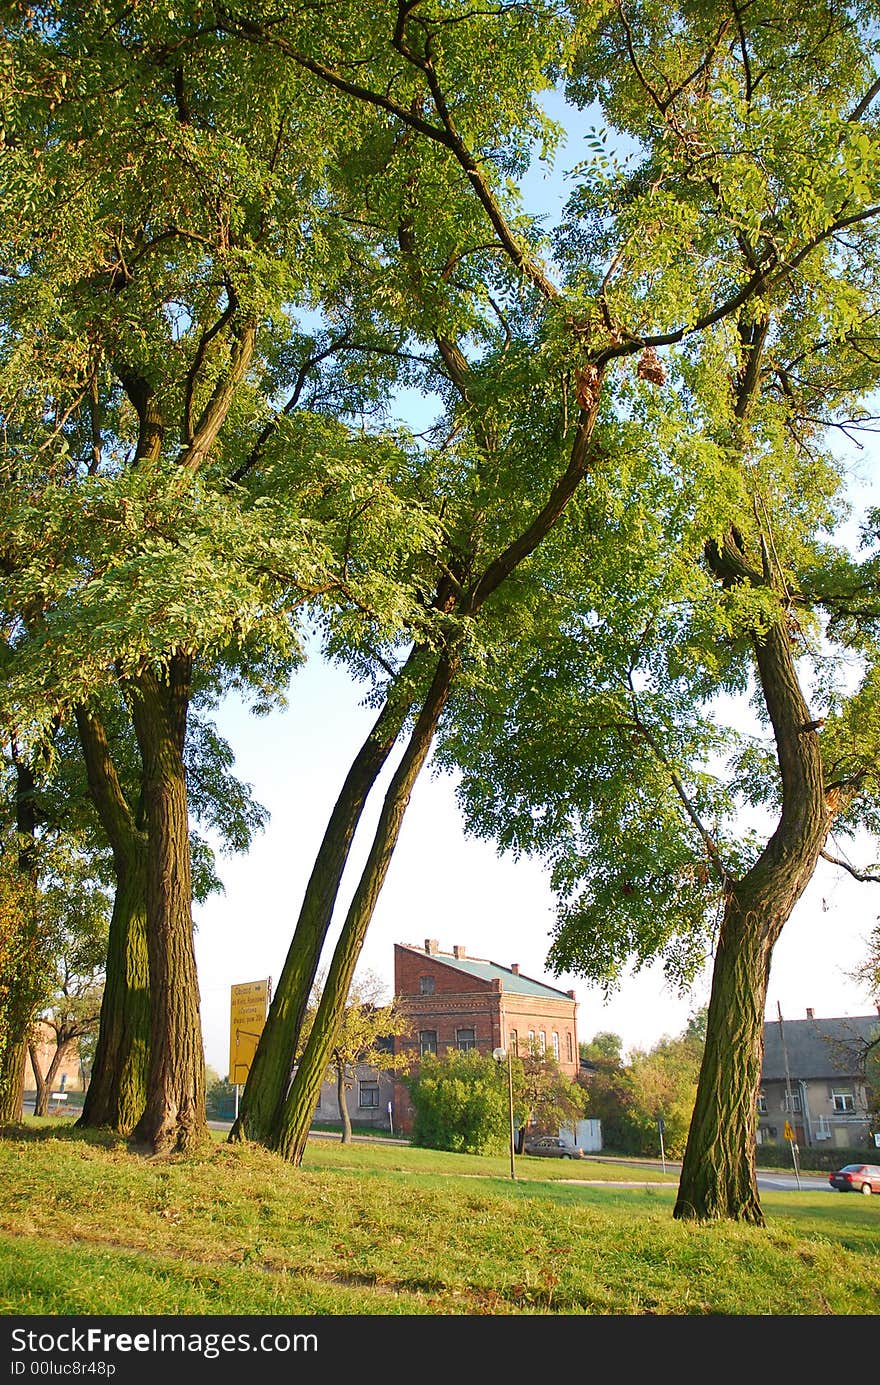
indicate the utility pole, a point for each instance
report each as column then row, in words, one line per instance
column 789, row 1101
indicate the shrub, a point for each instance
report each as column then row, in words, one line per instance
column 461, row 1103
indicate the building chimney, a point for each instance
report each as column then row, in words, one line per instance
column 459, row 952
column 514, row 967
column 432, row 946
column 810, row 1014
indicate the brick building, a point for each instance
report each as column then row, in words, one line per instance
column 456, row 1001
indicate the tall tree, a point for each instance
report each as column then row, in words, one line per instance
column 710, row 223
column 157, row 263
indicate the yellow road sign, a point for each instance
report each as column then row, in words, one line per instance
column 249, row 1005
column 788, row 1132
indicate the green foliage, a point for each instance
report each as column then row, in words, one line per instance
column 546, row 1098
column 219, row 1098
column 461, row 1103
column 659, row 1083
column 367, row 1021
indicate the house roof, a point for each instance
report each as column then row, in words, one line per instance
column 511, row 981
column 817, row 1048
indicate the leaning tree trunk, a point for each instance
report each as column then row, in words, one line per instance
column 269, row 1075
column 117, row 1090
column 268, row 1089
column 718, row 1177
column 343, row 1104
column 174, row 1115
column 292, row 1130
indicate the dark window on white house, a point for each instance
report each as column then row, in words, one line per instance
column 368, row 1094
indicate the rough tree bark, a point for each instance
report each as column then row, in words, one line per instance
column 12, row 1082
column 718, row 1176
column 116, row 1094
column 174, row 1114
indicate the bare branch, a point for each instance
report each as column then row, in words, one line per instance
column 865, row 877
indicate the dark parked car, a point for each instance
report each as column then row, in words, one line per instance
column 555, row 1149
column 856, row 1178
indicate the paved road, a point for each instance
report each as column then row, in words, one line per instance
column 812, row 1182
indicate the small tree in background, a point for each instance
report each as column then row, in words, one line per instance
column 367, row 1020
column 549, row 1099
column 73, row 1012
column 652, row 1084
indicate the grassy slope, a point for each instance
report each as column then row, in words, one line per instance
column 88, row 1226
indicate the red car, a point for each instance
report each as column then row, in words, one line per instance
column 856, row 1178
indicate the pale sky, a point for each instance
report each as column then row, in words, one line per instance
column 444, row 886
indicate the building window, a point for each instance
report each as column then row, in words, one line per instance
column 843, row 1101
column 514, row 1042
column 794, row 1106
column 318, row 1103
column 762, row 1104
column 465, row 1039
column 426, row 985
column 368, row 1094
column 542, row 1042
column 428, row 1041
column 555, row 1045
column 531, row 1042
column 568, row 1047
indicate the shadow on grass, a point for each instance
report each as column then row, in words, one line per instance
column 38, row 1130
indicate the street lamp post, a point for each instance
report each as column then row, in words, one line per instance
column 499, row 1054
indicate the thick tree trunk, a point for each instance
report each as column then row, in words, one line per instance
column 174, row 1114
column 718, row 1178
column 269, row 1075
column 24, row 994
column 343, row 1104
column 292, row 1130
column 117, row 1091
column 12, row 1082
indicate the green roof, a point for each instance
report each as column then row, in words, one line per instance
column 489, row 971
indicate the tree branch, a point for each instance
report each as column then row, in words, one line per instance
column 864, row 876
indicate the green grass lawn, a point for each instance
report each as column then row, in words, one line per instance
column 89, row 1227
